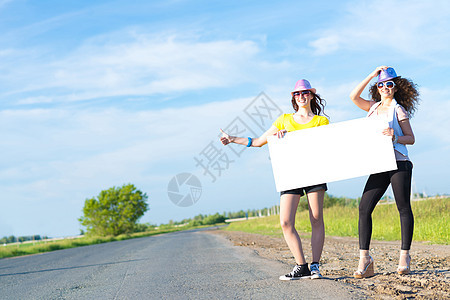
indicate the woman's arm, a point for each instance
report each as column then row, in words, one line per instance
column 408, row 134
column 256, row 142
column 355, row 95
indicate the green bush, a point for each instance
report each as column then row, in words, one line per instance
column 213, row 219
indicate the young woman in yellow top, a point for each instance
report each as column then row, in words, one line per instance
column 308, row 106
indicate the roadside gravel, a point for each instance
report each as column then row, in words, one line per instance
column 429, row 279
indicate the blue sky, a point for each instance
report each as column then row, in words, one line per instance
column 95, row 94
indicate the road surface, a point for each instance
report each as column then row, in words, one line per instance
column 182, row 265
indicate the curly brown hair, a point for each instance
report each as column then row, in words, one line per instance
column 406, row 94
column 317, row 104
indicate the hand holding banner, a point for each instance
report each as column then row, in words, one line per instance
column 330, row 153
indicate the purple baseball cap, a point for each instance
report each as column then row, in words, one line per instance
column 387, row 74
column 303, row 85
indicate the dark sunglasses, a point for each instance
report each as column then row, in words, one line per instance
column 388, row 84
column 307, row 92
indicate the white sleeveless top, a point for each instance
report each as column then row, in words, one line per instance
column 401, row 152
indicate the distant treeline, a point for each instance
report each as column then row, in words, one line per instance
column 330, row 201
column 20, row 239
column 192, row 222
column 200, row 219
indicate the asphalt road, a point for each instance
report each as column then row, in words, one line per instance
column 181, row 265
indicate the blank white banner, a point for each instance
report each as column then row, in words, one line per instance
column 330, row 153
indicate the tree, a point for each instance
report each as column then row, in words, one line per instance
column 213, row 219
column 115, row 211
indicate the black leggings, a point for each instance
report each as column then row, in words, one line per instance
column 376, row 186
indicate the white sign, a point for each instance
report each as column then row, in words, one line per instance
column 330, row 153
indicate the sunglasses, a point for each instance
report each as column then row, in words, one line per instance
column 307, row 92
column 388, row 84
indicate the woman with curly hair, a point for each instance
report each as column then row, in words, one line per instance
column 395, row 99
column 308, row 107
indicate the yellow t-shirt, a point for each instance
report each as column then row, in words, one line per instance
column 286, row 121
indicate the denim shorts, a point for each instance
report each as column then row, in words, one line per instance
column 307, row 189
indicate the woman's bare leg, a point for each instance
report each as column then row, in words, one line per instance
column 288, row 209
column 315, row 200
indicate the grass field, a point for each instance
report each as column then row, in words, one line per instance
column 431, row 222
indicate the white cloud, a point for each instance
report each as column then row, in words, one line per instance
column 326, row 44
column 128, row 63
column 418, row 29
column 4, row 2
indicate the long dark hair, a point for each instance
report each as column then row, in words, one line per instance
column 317, row 104
column 406, row 94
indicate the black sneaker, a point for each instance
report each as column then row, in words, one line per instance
column 315, row 273
column 299, row 272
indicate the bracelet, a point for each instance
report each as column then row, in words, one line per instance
column 249, row 142
column 395, row 139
